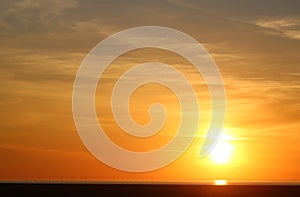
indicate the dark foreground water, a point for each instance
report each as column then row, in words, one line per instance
column 147, row 190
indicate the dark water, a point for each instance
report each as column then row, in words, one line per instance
column 148, row 190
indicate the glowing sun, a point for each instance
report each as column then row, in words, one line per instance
column 220, row 182
column 222, row 152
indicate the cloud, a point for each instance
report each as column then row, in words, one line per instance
column 186, row 5
column 38, row 66
column 94, row 26
column 32, row 80
column 33, row 14
column 45, row 9
column 285, row 27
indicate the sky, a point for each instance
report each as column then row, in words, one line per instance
column 256, row 45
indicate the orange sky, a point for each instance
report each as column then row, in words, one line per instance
column 255, row 44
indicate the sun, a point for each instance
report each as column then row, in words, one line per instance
column 220, row 182
column 222, row 152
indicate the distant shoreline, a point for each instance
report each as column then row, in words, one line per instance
column 149, row 189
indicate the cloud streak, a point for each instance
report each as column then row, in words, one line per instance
column 285, row 27
column 43, row 11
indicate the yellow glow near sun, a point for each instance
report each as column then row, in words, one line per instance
column 222, row 152
column 220, row 182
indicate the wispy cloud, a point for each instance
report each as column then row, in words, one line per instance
column 94, row 26
column 284, row 27
column 32, row 15
column 186, row 5
column 46, row 9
